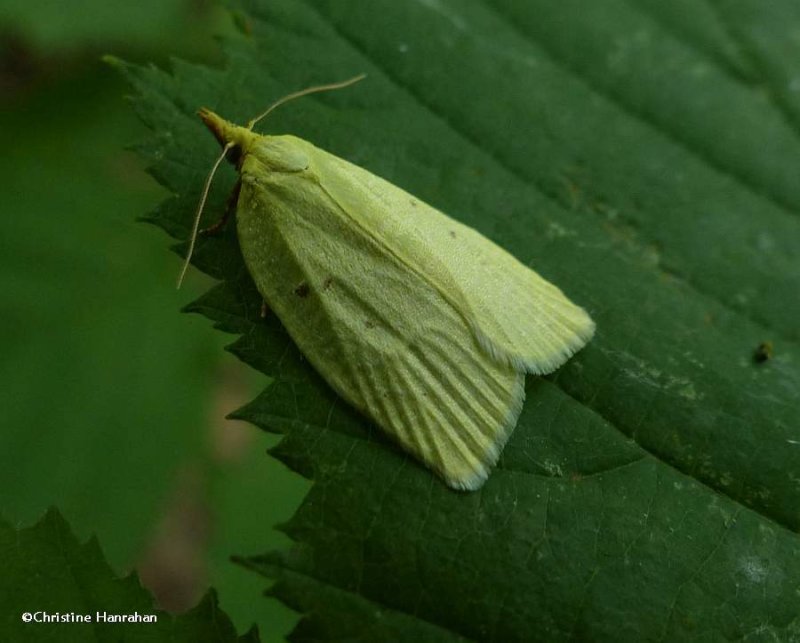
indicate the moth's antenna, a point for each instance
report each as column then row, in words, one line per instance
column 304, row 92
column 229, row 145
column 200, row 206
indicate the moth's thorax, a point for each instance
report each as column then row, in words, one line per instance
column 287, row 154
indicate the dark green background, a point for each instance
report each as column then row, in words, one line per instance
column 110, row 398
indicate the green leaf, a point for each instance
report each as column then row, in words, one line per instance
column 642, row 159
column 47, row 572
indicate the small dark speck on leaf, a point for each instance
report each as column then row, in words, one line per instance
column 763, row 352
column 413, row 203
column 369, row 324
column 453, row 233
column 327, row 283
column 302, row 290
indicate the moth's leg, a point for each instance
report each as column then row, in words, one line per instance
column 230, row 207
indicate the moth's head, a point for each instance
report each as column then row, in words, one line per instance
column 227, row 133
column 236, row 142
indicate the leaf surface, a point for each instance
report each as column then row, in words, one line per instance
column 644, row 161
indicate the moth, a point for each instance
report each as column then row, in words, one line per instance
column 419, row 322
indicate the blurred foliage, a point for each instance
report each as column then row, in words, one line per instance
column 80, row 582
column 158, row 26
column 108, row 395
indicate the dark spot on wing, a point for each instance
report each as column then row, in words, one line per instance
column 302, row 290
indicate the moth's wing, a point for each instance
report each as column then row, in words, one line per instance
column 379, row 333
column 518, row 317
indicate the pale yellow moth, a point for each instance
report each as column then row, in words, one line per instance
column 416, row 320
